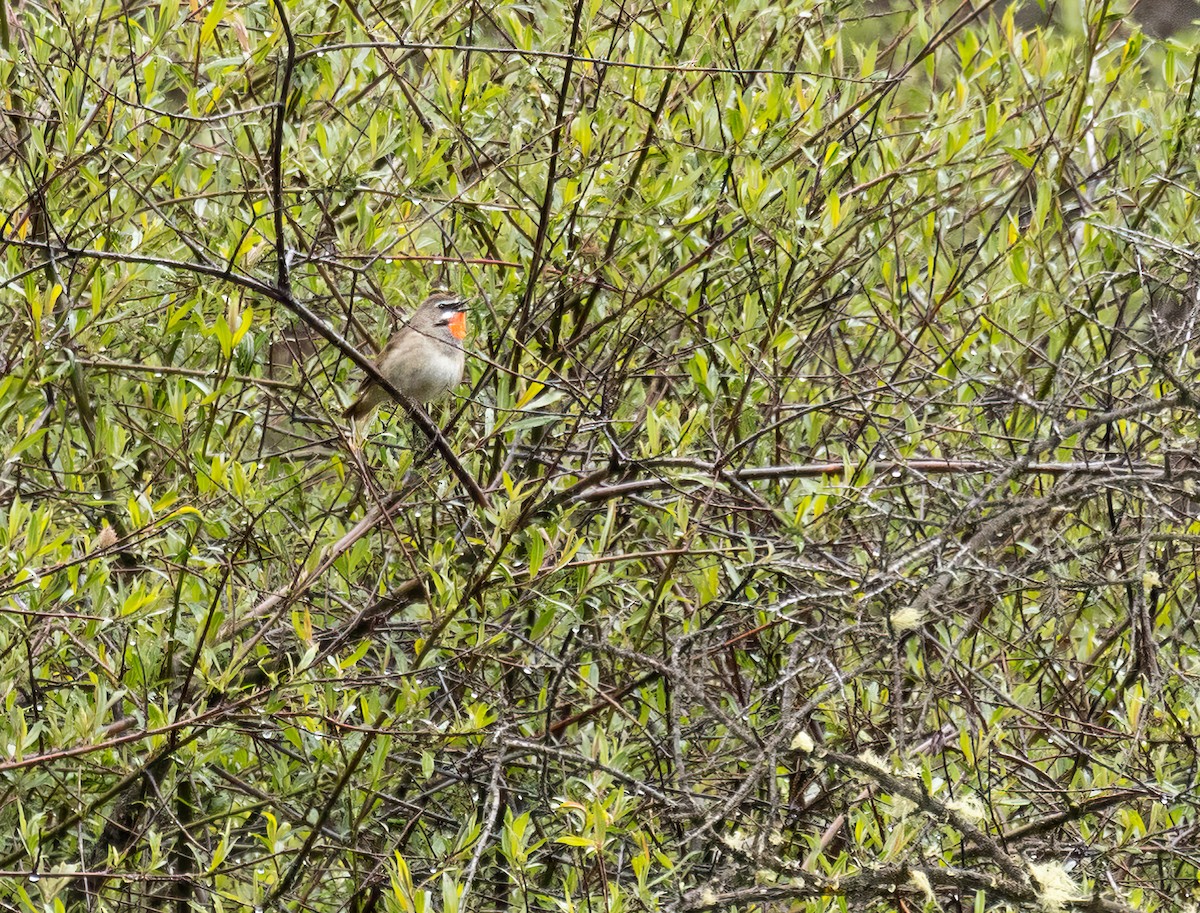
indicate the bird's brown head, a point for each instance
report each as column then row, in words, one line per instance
column 444, row 311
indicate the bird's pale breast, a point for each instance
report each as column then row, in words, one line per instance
column 426, row 379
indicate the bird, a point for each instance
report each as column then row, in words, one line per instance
column 424, row 359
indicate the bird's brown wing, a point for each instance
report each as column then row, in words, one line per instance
column 394, row 343
column 370, row 394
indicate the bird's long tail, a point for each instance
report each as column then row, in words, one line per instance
column 359, row 409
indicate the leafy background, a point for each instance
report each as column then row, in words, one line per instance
column 815, row 528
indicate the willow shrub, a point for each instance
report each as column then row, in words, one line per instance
column 816, row 528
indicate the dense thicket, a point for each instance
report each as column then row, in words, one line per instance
column 816, row 528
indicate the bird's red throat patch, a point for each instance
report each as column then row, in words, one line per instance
column 458, row 325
